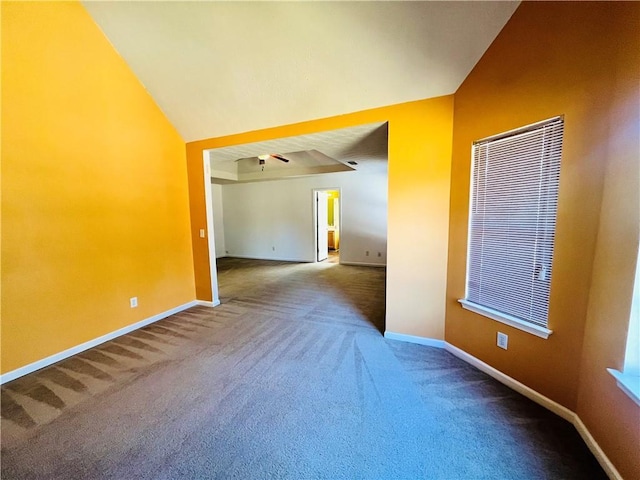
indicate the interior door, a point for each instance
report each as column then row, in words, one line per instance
column 322, row 222
column 336, row 223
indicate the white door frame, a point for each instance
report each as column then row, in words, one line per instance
column 322, row 225
column 315, row 215
column 208, row 199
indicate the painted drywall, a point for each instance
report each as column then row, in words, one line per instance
column 218, row 220
column 94, row 188
column 549, row 61
column 612, row 417
column 274, row 220
column 418, row 206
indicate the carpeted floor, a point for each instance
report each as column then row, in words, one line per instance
column 289, row 378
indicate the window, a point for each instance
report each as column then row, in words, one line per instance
column 512, row 222
column 629, row 378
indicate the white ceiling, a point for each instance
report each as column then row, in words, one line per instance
column 218, row 68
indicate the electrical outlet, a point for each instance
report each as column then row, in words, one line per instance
column 273, row 248
column 202, row 233
column 133, row 302
column 379, row 254
column 503, row 340
column 366, row 253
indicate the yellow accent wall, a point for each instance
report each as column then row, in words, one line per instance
column 418, row 206
column 580, row 60
column 332, row 195
column 94, row 188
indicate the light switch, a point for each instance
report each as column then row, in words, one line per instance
column 202, row 233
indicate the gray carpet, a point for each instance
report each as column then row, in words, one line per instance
column 289, row 378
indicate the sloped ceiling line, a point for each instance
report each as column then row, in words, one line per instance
column 219, row 68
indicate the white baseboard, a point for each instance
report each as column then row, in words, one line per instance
column 206, row 303
column 429, row 342
column 363, row 264
column 45, row 362
column 271, row 259
column 512, row 383
column 603, row 460
column 300, row 260
column 521, row 388
column 546, row 402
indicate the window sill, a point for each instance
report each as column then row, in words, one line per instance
column 629, row 384
column 506, row 319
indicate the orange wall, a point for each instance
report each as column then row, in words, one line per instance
column 580, row 60
column 94, row 188
column 611, row 417
column 418, row 215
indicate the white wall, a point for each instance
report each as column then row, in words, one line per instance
column 218, row 219
column 274, row 219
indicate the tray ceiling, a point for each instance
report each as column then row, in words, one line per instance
column 363, row 147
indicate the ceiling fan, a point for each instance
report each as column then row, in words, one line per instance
column 263, row 158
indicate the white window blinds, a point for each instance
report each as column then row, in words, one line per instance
column 514, row 198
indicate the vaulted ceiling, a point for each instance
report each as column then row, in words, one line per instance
column 219, row 68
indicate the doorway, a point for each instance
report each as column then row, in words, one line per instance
column 327, row 224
